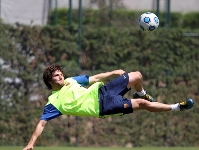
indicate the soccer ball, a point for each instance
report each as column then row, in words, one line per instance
column 148, row 21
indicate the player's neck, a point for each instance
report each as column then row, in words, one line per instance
column 56, row 88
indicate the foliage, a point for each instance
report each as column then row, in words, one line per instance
column 190, row 20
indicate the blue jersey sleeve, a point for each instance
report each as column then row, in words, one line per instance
column 50, row 112
column 83, row 80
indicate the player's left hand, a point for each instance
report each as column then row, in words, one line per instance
column 119, row 72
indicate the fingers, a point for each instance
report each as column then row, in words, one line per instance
column 28, row 148
column 120, row 72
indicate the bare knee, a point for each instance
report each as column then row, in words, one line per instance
column 134, row 78
column 135, row 75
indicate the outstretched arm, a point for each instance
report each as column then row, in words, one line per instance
column 40, row 127
column 106, row 75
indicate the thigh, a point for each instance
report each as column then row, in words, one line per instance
column 116, row 105
column 138, row 104
column 118, row 86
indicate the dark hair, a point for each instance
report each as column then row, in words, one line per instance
column 48, row 72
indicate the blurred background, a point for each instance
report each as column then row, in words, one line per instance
column 93, row 36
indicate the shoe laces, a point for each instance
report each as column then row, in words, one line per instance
column 147, row 96
column 183, row 103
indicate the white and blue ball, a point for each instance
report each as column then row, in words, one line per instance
column 148, row 21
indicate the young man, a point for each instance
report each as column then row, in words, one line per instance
column 70, row 97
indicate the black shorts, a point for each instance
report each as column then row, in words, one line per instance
column 111, row 99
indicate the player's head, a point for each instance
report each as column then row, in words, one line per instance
column 48, row 74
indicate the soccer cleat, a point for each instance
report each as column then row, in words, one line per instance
column 146, row 97
column 188, row 104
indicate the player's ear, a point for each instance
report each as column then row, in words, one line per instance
column 50, row 82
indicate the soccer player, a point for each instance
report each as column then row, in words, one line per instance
column 70, row 97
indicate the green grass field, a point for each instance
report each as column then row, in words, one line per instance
column 99, row 148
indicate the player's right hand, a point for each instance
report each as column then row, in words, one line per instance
column 28, row 147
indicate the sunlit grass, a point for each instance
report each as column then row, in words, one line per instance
column 99, row 148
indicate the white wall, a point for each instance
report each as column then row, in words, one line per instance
column 31, row 11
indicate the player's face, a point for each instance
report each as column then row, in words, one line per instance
column 57, row 80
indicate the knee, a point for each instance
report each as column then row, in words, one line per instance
column 136, row 75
